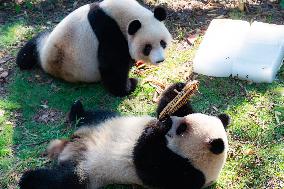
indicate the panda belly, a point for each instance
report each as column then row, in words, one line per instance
column 108, row 157
column 70, row 51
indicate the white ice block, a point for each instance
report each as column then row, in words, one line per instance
column 232, row 47
column 261, row 54
column 266, row 33
column 213, row 57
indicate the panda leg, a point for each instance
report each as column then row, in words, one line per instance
column 79, row 116
column 168, row 95
column 76, row 112
column 61, row 177
column 117, row 81
column 28, row 55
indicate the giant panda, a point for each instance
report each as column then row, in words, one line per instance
column 99, row 42
column 186, row 151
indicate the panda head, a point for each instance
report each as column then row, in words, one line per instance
column 148, row 38
column 202, row 139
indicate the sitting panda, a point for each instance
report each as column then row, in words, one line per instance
column 99, row 42
column 186, row 152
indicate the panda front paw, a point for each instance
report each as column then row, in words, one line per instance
column 132, row 84
column 170, row 91
column 168, row 95
column 122, row 89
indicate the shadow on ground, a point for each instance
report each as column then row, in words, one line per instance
column 53, row 96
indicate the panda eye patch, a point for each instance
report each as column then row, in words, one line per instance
column 163, row 44
column 147, row 49
column 181, row 129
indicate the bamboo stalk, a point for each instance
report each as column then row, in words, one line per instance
column 180, row 99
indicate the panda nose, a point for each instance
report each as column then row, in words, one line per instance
column 159, row 61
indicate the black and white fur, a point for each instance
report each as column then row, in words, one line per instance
column 99, row 42
column 178, row 152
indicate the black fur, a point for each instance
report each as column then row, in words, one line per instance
column 217, row 146
column 168, row 95
column 147, row 49
column 163, row 44
column 28, row 56
column 61, row 177
column 77, row 115
column 158, row 167
column 160, row 13
column 113, row 53
column 225, row 119
column 181, row 129
column 133, row 27
column 76, row 111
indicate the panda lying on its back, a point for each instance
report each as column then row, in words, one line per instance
column 99, row 41
column 186, row 152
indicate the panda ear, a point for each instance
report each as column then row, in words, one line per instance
column 225, row 119
column 134, row 26
column 160, row 13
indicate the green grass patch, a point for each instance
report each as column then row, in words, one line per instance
column 255, row 159
column 11, row 33
column 236, row 14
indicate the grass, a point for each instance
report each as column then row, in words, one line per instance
column 255, row 135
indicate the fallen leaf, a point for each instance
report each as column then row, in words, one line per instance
column 140, row 64
column 30, row 79
column 44, row 116
column 52, row 114
column 248, row 152
column 4, row 74
column 44, row 106
column 19, row 1
column 276, row 116
column 156, row 97
column 47, row 115
column 220, row 16
column 5, row 59
column 155, row 82
column 8, row 123
column 75, row 4
column 38, row 78
column 216, row 109
column 2, row 112
column 192, row 38
column 241, row 5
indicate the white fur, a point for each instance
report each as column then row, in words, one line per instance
column 194, row 143
column 125, row 11
column 157, row 55
column 74, row 38
column 109, row 158
column 151, row 32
